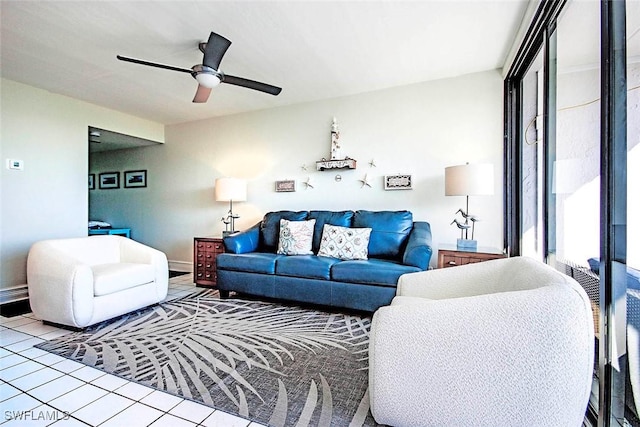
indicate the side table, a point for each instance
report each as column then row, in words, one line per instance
column 205, row 250
column 451, row 256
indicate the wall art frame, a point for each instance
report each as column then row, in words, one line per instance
column 109, row 180
column 135, row 179
column 92, row 181
column 398, row 182
column 285, row 186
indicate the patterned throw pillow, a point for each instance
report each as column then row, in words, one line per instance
column 344, row 243
column 295, row 237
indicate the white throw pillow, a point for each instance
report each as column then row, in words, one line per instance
column 344, row 243
column 296, row 237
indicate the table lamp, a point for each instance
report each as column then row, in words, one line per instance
column 468, row 180
column 230, row 190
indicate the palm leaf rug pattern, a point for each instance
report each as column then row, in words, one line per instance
column 275, row 364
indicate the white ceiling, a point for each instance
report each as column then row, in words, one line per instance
column 312, row 49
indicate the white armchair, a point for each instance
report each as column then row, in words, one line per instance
column 82, row 281
column 503, row 342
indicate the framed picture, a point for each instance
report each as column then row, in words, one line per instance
column 135, row 179
column 398, row 182
column 92, row 181
column 109, row 180
column 286, row 186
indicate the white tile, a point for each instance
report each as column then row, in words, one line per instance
column 87, row 373
column 10, row 336
column 11, row 360
column 222, row 419
column 66, row 365
column 191, row 411
column 49, row 359
column 109, row 382
column 161, row 400
column 33, row 353
column 69, row 422
column 55, row 334
column 4, row 353
column 41, row 416
column 135, row 415
column 13, row 322
column 20, row 402
column 36, row 379
column 134, row 391
column 56, row 388
column 169, row 420
column 103, row 409
column 7, row 391
column 20, row 370
column 78, row 398
column 35, row 328
column 24, row 345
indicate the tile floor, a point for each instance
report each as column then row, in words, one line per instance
column 38, row 388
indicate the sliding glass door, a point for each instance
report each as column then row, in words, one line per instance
column 572, row 164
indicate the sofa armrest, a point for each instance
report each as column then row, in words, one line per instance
column 418, row 251
column 60, row 286
column 436, row 360
column 244, row 241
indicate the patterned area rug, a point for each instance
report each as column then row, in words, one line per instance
column 274, row 364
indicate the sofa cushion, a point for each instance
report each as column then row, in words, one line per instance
column 305, row 266
column 373, row 271
column 344, row 242
column 389, row 231
column 254, row 262
column 116, row 277
column 270, row 227
column 295, row 237
column 342, row 219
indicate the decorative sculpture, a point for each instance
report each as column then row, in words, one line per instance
column 464, row 242
column 336, row 159
column 335, row 144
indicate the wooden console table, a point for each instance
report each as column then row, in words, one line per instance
column 451, row 256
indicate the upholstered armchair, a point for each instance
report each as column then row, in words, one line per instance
column 508, row 342
column 82, row 281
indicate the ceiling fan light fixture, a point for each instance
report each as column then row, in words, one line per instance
column 207, row 78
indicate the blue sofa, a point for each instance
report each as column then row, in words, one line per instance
column 397, row 245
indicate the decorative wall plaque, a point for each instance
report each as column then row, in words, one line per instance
column 286, row 186
column 398, row 182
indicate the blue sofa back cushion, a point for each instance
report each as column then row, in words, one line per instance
column 341, row 219
column 389, row 231
column 270, row 227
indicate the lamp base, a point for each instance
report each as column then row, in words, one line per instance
column 467, row 244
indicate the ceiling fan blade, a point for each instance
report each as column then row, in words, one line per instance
column 153, row 64
column 202, row 94
column 214, row 50
column 251, row 84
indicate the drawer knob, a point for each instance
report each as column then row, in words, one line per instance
column 452, row 263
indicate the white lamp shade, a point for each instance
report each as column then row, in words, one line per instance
column 468, row 180
column 231, row 189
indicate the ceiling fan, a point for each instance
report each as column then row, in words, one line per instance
column 208, row 73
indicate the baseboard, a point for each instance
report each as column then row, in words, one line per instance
column 14, row 293
column 183, row 266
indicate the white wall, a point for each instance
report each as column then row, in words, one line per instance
column 418, row 129
column 48, row 199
